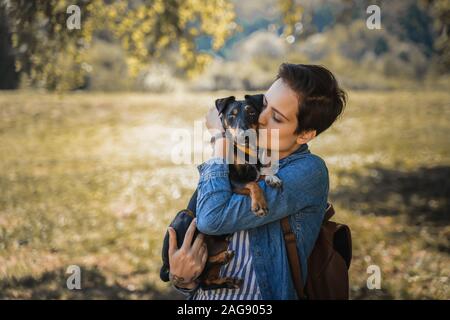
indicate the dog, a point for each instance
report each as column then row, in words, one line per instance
column 238, row 118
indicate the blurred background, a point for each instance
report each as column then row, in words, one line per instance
column 86, row 117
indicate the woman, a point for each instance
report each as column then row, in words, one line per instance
column 303, row 102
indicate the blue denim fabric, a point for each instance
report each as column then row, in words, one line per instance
column 303, row 198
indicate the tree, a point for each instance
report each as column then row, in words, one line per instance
column 9, row 76
column 291, row 12
column 54, row 57
column 440, row 10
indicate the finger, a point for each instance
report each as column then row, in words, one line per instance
column 198, row 242
column 201, row 251
column 172, row 241
column 205, row 257
column 189, row 235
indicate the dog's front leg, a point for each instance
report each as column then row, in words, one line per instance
column 268, row 169
column 273, row 181
column 270, row 178
column 259, row 204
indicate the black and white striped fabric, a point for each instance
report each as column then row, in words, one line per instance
column 240, row 267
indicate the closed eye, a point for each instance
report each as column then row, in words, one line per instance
column 274, row 117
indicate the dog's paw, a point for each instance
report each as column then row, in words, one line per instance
column 228, row 256
column 260, row 209
column 273, row 181
column 234, row 283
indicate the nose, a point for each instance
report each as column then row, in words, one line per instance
column 262, row 120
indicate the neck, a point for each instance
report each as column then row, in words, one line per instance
column 285, row 153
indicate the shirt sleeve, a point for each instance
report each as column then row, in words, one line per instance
column 186, row 292
column 220, row 211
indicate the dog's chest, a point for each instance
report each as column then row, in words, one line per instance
column 241, row 174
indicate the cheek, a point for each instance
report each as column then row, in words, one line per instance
column 286, row 136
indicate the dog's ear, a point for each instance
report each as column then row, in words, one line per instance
column 221, row 104
column 256, row 100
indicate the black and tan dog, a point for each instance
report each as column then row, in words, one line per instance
column 239, row 118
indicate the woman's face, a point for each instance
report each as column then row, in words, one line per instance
column 280, row 112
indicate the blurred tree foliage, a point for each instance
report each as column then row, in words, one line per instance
column 440, row 10
column 291, row 13
column 54, row 57
column 425, row 23
column 9, row 78
column 36, row 44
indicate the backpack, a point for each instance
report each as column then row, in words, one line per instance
column 328, row 262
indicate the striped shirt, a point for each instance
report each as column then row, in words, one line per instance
column 239, row 267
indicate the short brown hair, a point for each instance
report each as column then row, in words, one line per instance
column 321, row 100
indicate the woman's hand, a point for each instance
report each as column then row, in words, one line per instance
column 213, row 122
column 187, row 262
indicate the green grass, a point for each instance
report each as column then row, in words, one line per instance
column 86, row 179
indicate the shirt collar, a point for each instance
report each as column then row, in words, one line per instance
column 303, row 149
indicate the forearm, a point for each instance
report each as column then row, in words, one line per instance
column 220, row 211
column 220, row 148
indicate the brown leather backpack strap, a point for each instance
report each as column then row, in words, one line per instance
column 329, row 212
column 294, row 260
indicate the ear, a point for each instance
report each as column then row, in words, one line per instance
column 306, row 136
column 256, row 100
column 221, row 104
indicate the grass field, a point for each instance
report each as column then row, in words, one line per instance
column 87, row 179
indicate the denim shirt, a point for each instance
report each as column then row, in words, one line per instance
column 303, row 198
